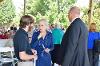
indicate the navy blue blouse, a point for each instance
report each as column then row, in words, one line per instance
column 41, row 44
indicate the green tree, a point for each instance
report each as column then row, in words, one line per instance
column 7, row 12
column 95, row 15
column 37, row 6
column 51, row 9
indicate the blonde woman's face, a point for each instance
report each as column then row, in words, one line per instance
column 42, row 26
column 93, row 27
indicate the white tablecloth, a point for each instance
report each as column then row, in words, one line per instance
column 6, row 49
column 6, row 42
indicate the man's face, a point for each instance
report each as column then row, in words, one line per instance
column 30, row 27
column 27, row 28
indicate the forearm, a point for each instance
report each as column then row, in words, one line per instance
column 28, row 57
column 24, row 56
column 51, row 47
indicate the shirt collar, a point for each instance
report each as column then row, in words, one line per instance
column 74, row 19
column 23, row 30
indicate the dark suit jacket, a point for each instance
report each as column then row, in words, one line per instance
column 74, row 45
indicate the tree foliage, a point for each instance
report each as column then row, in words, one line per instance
column 53, row 10
column 95, row 15
column 7, row 12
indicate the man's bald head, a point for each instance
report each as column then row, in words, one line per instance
column 73, row 12
column 75, row 9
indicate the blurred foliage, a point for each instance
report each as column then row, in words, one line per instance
column 95, row 15
column 1, row 0
column 56, row 11
column 53, row 10
column 7, row 12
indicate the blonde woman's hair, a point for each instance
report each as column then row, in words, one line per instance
column 46, row 22
column 92, row 27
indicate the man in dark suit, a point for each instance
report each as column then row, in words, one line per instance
column 74, row 42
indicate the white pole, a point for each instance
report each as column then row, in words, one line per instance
column 34, row 62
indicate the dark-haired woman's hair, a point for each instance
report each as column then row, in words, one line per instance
column 11, row 28
column 26, row 20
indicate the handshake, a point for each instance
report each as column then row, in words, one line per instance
column 35, row 54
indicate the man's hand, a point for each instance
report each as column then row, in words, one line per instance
column 24, row 56
column 34, row 52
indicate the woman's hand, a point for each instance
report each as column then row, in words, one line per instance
column 35, row 57
column 34, row 52
column 47, row 50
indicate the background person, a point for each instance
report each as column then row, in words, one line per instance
column 93, row 35
column 57, row 33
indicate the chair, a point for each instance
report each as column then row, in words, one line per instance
column 6, row 48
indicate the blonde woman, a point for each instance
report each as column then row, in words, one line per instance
column 43, row 44
column 92, row 37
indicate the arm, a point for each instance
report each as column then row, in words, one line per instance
column 24, row 56
column 50, row 43
column 23, row 44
